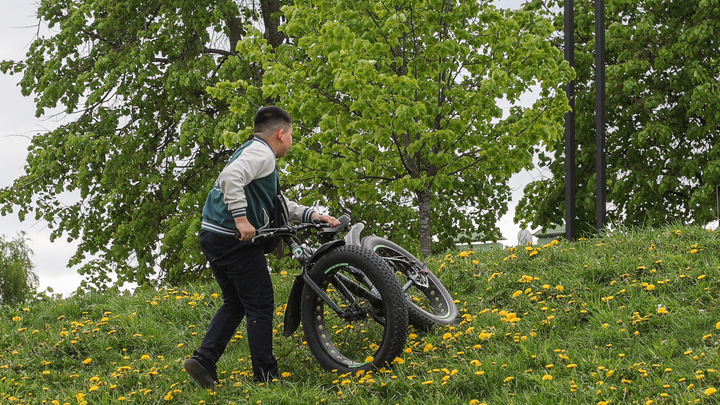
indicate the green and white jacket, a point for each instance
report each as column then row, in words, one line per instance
column 246, row 187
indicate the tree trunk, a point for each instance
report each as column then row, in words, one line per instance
column 425, row 228
column 271, row 19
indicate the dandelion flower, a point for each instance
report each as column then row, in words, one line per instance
column 547, row 377
column 710, row 391
column 87, row 361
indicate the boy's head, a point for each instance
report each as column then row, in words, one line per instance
column 274, row 125
column 270, row 119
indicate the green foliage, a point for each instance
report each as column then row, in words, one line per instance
column 630, row 318
column 397, row 108
column 663, row 115
column 18, row 281
column 129, row 173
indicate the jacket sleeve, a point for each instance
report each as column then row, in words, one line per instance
column 251, row 164
column 298, row 212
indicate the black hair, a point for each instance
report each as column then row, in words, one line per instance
column 271, row 118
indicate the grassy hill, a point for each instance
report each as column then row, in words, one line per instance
column 631, row 318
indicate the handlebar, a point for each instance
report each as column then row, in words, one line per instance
column 292, row 229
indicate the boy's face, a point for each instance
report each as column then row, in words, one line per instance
column 285, row 138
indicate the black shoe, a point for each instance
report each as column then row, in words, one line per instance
column 202, row 370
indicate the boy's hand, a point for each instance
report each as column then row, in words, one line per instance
column 247, row 231
column 326, row 218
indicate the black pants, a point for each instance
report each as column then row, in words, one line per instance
column 240, row 269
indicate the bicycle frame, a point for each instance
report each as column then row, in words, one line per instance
column 416, row 272
column 307, row 258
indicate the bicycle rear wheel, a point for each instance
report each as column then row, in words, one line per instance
column 371, row 329
column 428, row 306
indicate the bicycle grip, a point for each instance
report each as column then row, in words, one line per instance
column 260, row 239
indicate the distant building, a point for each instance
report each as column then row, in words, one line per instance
column 545, row 237
column 478, row 242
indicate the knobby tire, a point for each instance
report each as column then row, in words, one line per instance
column 373, row 329
column 427, row 307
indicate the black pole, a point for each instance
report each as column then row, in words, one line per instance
column 717, row 192
column 570, row 231
column 600, row 159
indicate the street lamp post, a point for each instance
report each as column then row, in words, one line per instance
column 570, row 232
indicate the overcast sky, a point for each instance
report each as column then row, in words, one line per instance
column 18, row 27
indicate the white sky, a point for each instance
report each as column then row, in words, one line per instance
column 18, row 27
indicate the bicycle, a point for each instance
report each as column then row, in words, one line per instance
column 350, row 303
column 429, row 302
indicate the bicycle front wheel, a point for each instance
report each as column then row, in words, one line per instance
column 429, row 302
column 368, row 327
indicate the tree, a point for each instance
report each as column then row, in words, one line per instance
column 145, row 141
column 397, row 108
column 18, row 281
column 663, row 111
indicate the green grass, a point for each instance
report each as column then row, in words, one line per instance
column 628, row 319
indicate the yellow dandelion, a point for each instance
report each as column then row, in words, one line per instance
column 508, row 379
column 87, row 361
column 145, row 357
column 710, row 391
column 547, row 377
column 286, row 374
